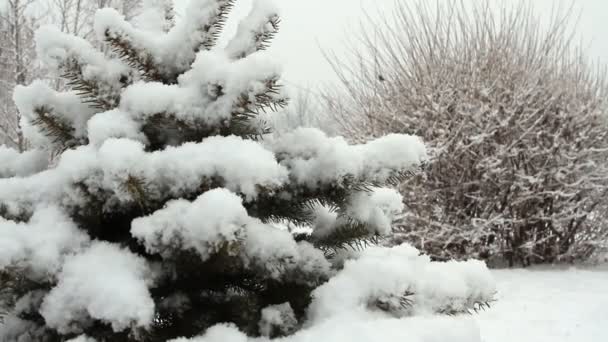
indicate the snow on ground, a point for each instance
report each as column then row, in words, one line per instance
column 548, row 305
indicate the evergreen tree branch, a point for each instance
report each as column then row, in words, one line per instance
column 137, row 188
column 245, row 118
column 249, row 105
column 89, row 91
column 471, row 306
column 213, row 29
column 3, row 211
column 169, row 13
column 394, row 304
column 403, row 305
column 165, row 129
column 295, row 203
column 259, row 38
column 60, row 133
column 264, row 38
column 10, row 283
column 394, row 179
column 227, row 284
column 21, row 216
column 137, row 59
column 13, row 286
column 248, row 108
column 351, row 235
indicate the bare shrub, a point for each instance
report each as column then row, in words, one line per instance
column 304, row 110
column 514, row 113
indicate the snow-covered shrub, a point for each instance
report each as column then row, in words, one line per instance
column 514, row 116
column 167, row 210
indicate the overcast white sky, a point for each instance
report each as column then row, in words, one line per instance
column 312, row 25
column 309, row 25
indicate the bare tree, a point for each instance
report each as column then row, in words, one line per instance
column 17, row 64
column 76, row 16
column 515, row 115
column 304, row 110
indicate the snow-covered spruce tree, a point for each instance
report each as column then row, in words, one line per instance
column 167, row 208
column 514, row 115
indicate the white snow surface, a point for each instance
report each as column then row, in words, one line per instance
column 114, row 124
column 548, row 305
column 152, row 16
column 13, row 163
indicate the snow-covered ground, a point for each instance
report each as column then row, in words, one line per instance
column 550, row 305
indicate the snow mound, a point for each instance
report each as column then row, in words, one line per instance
column 365, row 328
column 89, row 279
column 41, row 244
